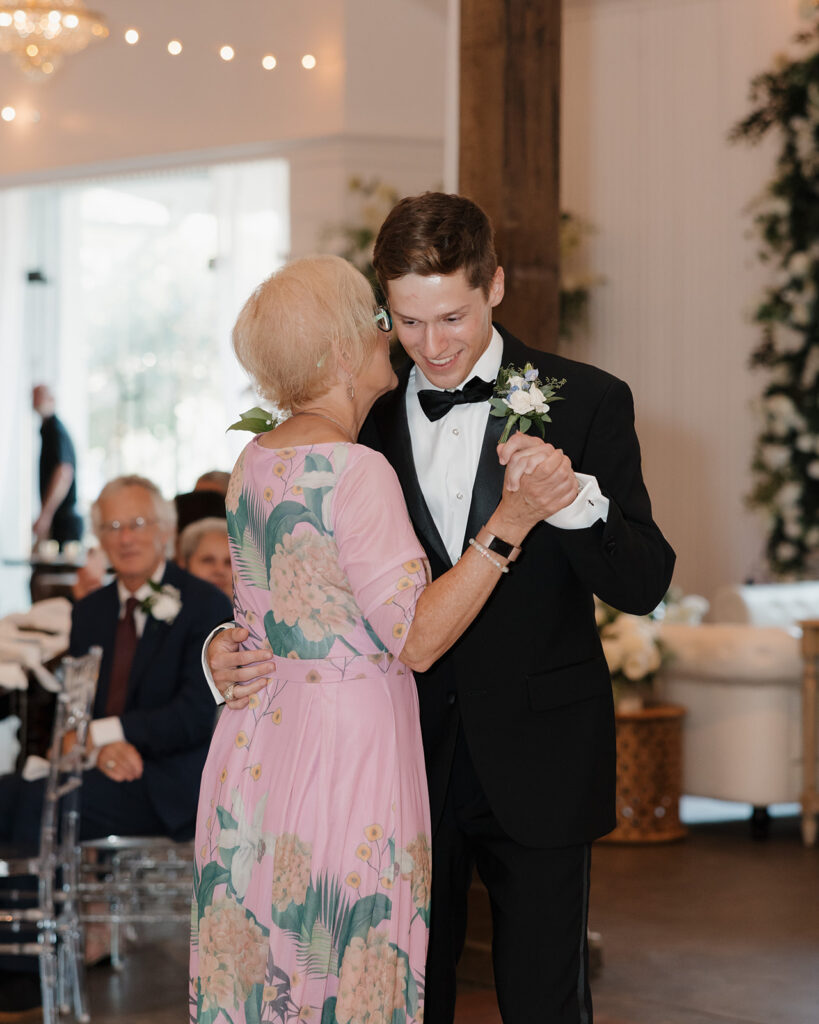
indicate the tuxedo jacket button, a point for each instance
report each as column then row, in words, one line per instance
column 611, row 545
column 451, row 698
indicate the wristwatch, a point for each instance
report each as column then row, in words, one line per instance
column 497, row 544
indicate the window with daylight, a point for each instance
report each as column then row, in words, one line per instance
column 130, row 289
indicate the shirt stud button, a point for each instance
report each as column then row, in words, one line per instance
column 456, row 432
column 459, row 495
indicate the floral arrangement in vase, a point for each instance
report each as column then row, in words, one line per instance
column 633, row 648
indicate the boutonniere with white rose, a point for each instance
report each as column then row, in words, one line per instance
column 523, row 398
column 164, row 604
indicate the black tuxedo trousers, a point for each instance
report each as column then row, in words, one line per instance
column 521, row 704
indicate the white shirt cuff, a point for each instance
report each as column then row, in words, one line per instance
column 105, row 731
column 206, row 667
column 589, row 506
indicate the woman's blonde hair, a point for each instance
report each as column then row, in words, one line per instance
column 309, row 321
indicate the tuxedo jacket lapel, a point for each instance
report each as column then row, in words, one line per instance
column 397, row 447
column 488, row 486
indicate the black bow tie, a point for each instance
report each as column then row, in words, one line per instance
column 438, row 403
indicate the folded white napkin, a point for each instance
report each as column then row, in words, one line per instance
column 25, row 652
column 52, row 615
column 35, row 768
column 12, row 677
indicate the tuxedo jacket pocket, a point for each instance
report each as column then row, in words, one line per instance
column 558, row 687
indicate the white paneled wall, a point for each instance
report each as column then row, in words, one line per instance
column 650, row 90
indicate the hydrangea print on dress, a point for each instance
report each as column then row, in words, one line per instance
column 312, row 876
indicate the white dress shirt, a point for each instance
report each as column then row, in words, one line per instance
column 446, row 454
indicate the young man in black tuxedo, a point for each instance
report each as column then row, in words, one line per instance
column 153, row 715
column 517, row 717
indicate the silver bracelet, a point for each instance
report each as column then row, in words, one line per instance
column 483, row 551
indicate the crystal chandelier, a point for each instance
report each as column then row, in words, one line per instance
column 38, row 34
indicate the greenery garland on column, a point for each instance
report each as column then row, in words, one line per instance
column 786, row 459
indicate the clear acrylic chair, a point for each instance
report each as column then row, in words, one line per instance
column 55, row 915
column 134, row 880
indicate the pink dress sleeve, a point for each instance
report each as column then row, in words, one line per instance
column 377, row 547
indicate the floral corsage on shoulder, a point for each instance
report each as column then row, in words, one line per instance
column 523, row 398
column 164, row 604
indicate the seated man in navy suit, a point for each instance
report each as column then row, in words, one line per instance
column 153, row 712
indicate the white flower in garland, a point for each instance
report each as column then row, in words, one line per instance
column 793, row 529
column 799, row 264
column 775, row 456
column 787, row 340
column 810, row 372
column 786, row 462
column 786, row 551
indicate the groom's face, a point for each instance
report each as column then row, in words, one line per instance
column 444, row 324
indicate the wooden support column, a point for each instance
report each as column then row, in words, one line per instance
column 509, row 150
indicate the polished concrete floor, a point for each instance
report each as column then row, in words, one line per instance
column 715, row 929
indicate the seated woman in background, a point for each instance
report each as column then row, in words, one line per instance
column 204, row 551
column 312, row 872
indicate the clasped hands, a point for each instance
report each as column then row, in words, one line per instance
column 541, row 473
column 120, row 760
column 537, row 473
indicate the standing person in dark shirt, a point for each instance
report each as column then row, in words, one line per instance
column 58, row 519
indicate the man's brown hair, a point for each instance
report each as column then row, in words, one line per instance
column 436, row 233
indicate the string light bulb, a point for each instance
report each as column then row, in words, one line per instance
column 174, row 47
column 308, row 61
column 132, row 37
column 268, row 62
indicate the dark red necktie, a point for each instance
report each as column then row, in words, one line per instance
column 125, row 645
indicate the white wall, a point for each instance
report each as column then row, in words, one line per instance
column 650, row 90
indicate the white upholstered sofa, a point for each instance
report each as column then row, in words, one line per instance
column 740, row 678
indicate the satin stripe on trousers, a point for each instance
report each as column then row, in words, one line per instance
column 539, row 900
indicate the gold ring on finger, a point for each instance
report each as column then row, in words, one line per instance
column 229, row 692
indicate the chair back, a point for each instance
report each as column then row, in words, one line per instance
column 56, row 916
column 72, row 717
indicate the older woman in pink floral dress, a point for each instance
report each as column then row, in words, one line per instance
column 312, row 874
